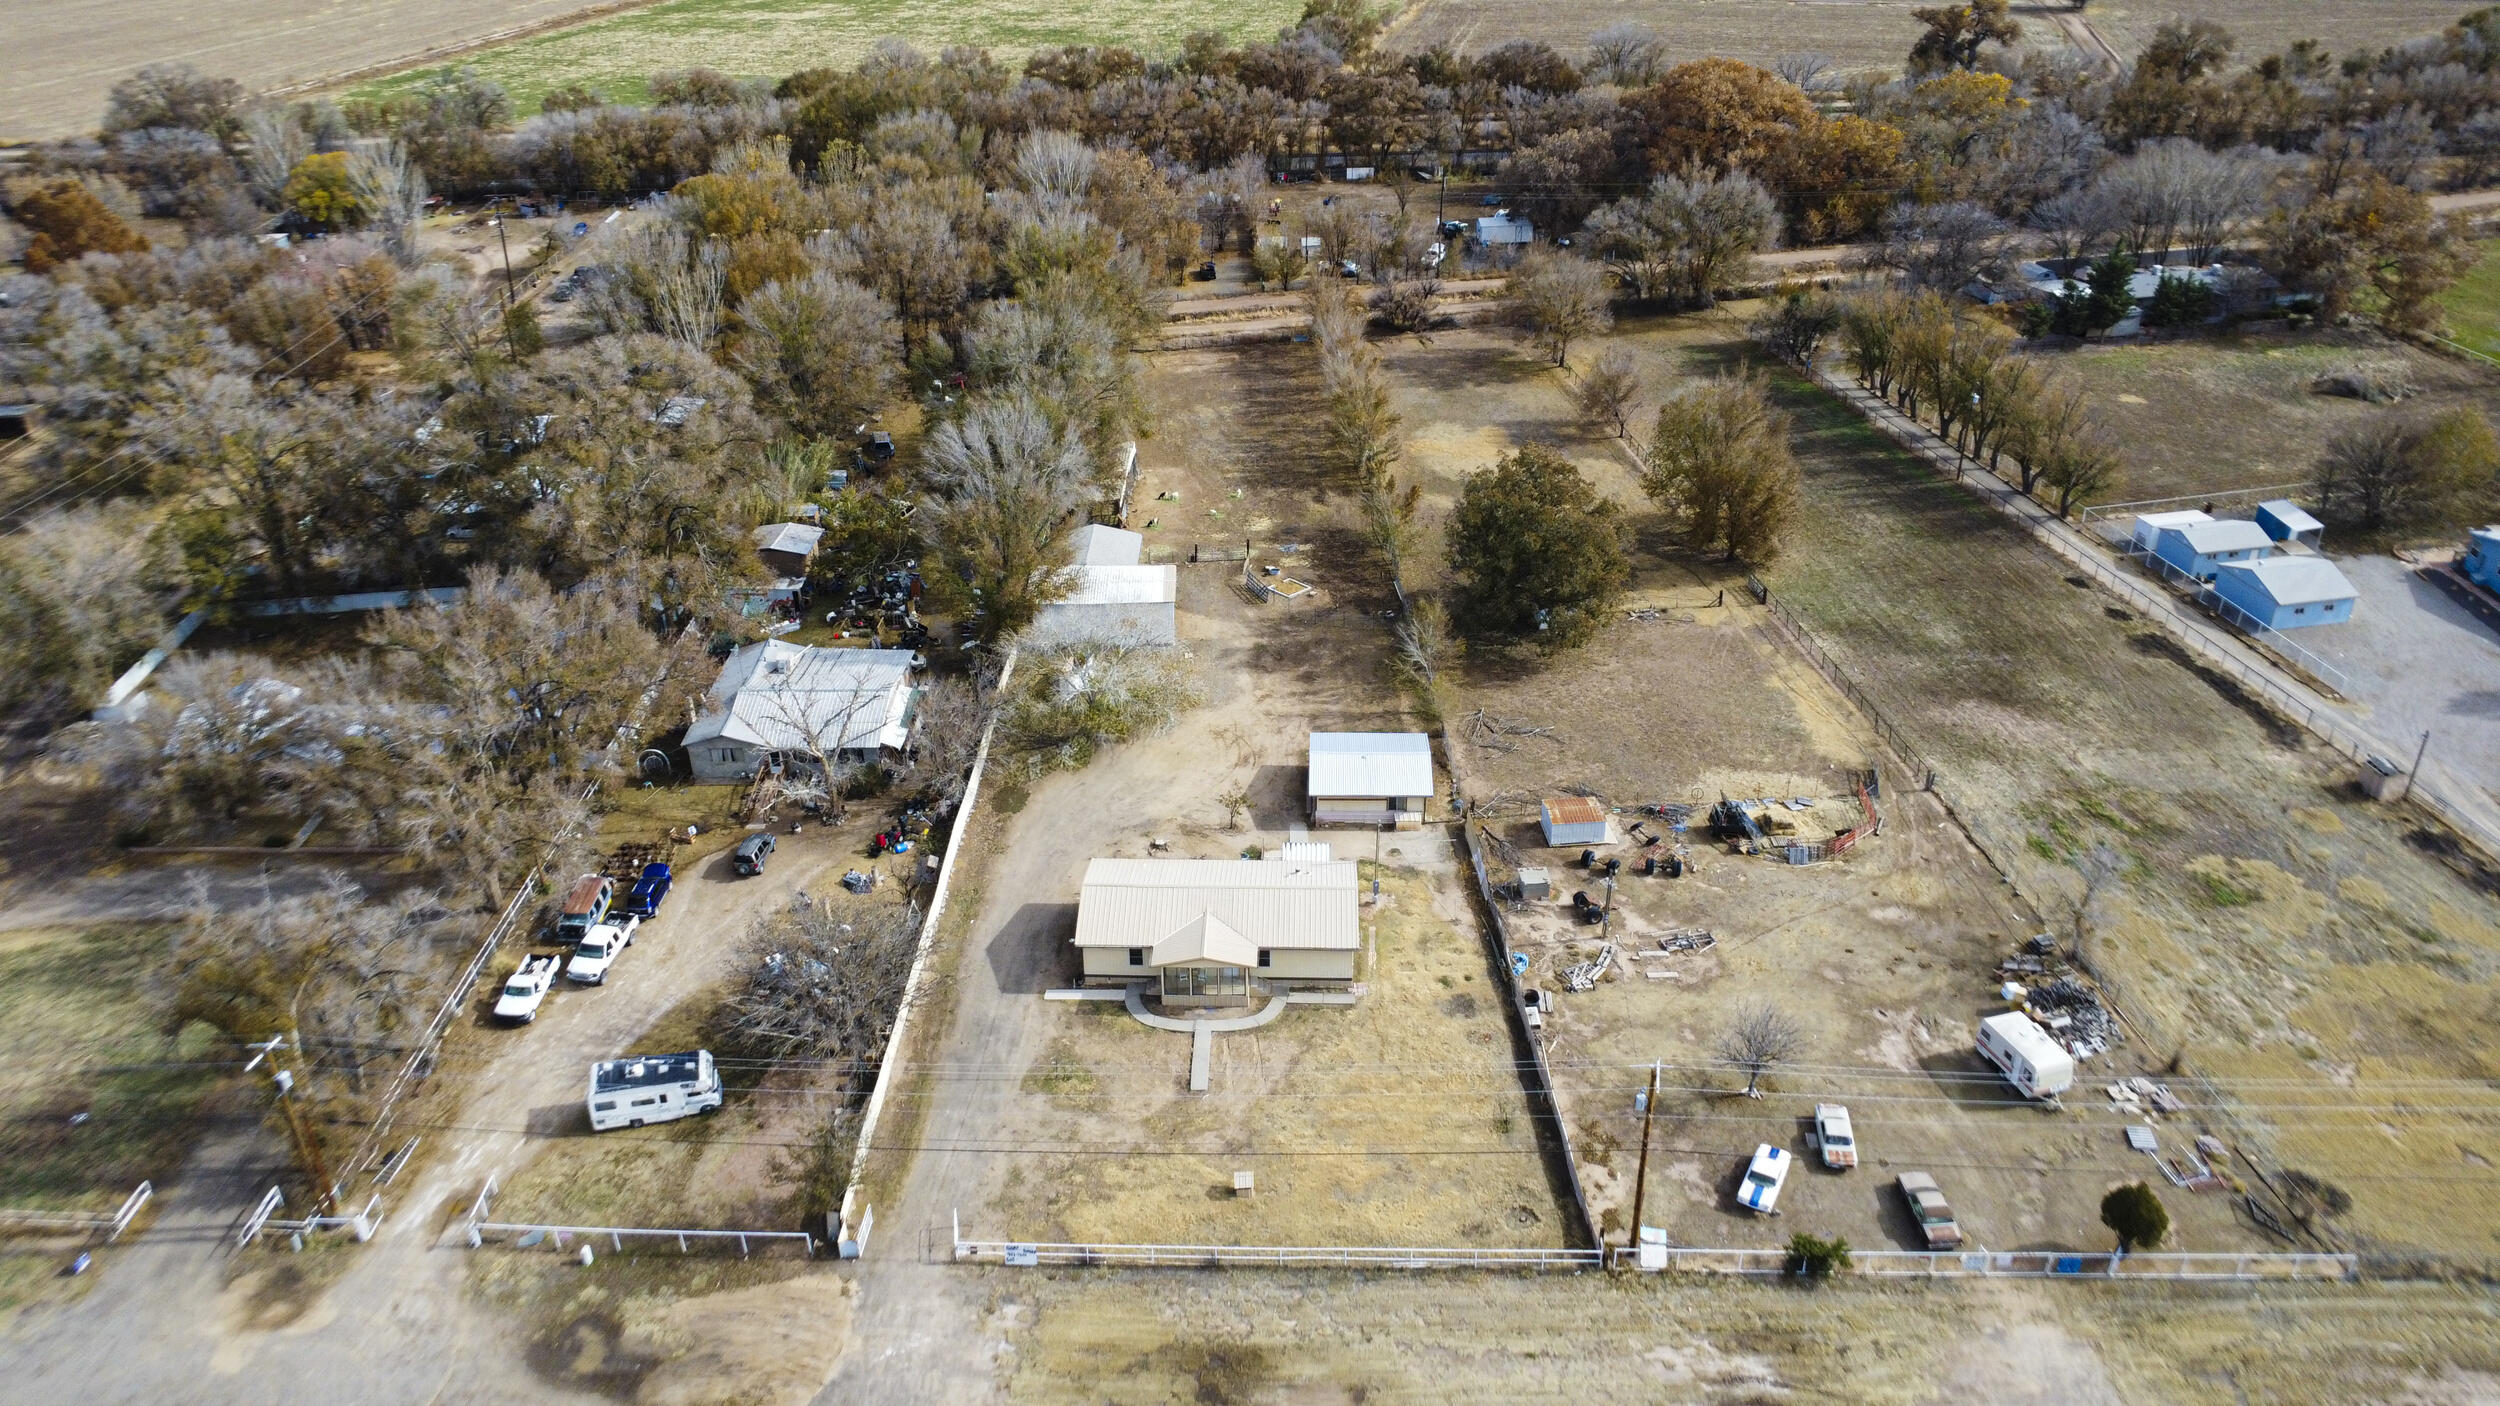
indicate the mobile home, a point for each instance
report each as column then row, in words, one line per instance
column 2023, row 1052
column 639, row 1089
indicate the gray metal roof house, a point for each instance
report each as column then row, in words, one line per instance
column 777, row 703
column 1370, row 778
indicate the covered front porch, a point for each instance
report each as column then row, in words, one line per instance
column 1207, row 963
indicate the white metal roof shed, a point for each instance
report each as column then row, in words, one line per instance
column 1097, row 545
column 796, row 538
column 2296, row 580
column 1144, row 902
column 1121, row 585
column 1371, row 764
column 2223, row 535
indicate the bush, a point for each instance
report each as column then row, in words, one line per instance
column 2136, row 1215
column 1814, row 1258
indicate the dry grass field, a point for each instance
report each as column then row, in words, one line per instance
column 2213, row 415
column 61, row 59
column 769, row 38
column 1245, row 1336
column 2267, row 26
column 1858, row 34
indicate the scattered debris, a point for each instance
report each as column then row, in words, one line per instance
column 1584, row 976
column 2141, row 1138
column 1501, row 735
column 1687, row 940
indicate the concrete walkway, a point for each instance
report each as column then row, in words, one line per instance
column 1202, row 1032
column 2436, row 789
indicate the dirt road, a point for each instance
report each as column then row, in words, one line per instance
column 399, row 1324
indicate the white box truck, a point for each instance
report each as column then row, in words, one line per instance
column 2031, row 1061
column 639, row 1089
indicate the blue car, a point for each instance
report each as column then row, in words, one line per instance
column 649, row 891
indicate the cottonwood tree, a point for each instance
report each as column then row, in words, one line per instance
column 1943, row 246
column 343, row 980
column 1956, row 33
column 1719, row 461
column 1759, row 1039
column 1558, row 300
column 816, row 349
column 1539, row 552
column 1004, row 487
column 1608, row 389
column 1795, row 327
column 82, row 591
column 1426, row 646
column 2410, row 470
column 1687, row 236
column 2369, row 235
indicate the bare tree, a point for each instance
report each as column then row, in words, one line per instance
column 277, row 143
column 1943, row 246
column 1608, row 390
column 1761, row 1038
column 1558, row 300
column 822, row 980
column 1686, row 236
column 1626, row 55
column 816, row 349
column 1808, row 71
column 1004, row 485
column 391, row 191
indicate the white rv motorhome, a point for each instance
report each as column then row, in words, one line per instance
column 2031, row 1061
column 639, row 1089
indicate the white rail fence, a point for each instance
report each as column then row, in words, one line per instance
column 111, row 1223
column 526, row 1235
column 2017, row 1264
column 270, row 1202
column 362, row 1224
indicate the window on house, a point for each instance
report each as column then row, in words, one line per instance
column 1263, row 955
column 2300, row 610
column 1137, row 956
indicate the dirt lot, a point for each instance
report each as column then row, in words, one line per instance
column 1859, row 34
column 2211, row 415
column 2312, row 955
column 64, row 58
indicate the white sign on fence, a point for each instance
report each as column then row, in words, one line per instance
column 1024, row 1256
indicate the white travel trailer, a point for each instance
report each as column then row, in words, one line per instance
column 2031, row 1061
column 639, row 1089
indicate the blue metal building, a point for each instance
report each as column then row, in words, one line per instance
column 2286, row 521
column 2284, row 593
column 2198, row 549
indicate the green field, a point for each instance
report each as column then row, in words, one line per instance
column 2474, row 304
column 770, row 38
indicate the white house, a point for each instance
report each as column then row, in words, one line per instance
column 779, row 703
column 1370, row 778
column 1219, row 932
column 1110, row 598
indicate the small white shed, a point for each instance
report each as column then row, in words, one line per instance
column 1370, row 778
column 1128, row 605
column 1575, row 820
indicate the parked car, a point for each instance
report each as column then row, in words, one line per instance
column 748, row 858
column 1832, row 1130
column 650, row 890
column 585, row 906
column 1760, row 1191
column 1453, row 229
column 1205, row 272
column 1347, row 268
column 1927, row 1207
column 526, row 989
column 598, row 950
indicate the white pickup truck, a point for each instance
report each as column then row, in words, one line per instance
column 526, row 989
column 596, row 952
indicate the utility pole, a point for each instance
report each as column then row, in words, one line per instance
column 506, row 245
column 2418, row 753
column 1640, row 1178
column 307, row 1148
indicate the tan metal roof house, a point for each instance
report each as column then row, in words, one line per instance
column 1219, row 932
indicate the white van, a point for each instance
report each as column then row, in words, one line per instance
column 2031, row 1061
column 639, row 1089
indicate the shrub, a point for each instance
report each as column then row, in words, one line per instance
column 2136, row 1215
column 1814, row 1258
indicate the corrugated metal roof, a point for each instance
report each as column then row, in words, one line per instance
column 772, row 694
column 2291, row 515
column 796, row 538
column 1573, row 810
column 1371, row 764
column 2222, row 535
column 2296, row 580
column 1121, row 585
column 1097, row 545
column 1141, row 902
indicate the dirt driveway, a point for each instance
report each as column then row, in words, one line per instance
column 398, row 1325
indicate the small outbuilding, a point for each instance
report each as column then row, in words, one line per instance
column 1503, row 228
column 1370, row 778
column 1575, row 820
column 2286, row 521
column 2481, row 562
column 2199, row 549
column 787, row 547
column 2149, row 526
column 1095, row 544
column 2283, row 593
column 1219, row 932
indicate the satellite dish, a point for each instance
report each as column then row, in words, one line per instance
column 654, row 765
